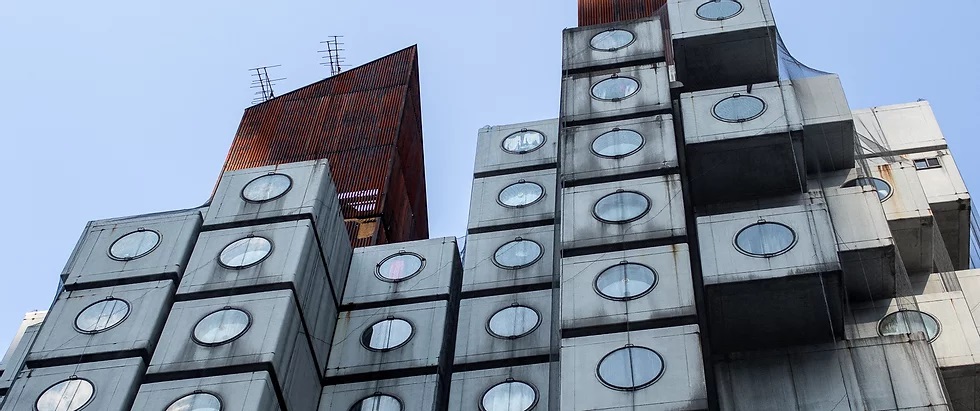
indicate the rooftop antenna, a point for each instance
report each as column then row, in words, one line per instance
column 264, row 83
column 333, row 58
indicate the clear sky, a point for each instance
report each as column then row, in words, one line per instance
column 114, row 108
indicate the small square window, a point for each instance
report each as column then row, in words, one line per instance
column 927, row 163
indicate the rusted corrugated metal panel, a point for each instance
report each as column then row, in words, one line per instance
column 367, row 123
column 591, row 12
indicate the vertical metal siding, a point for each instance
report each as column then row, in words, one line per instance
column 591, row 12
column 367, row 123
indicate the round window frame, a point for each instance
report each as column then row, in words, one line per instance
column 404, row 343
column 856, row 182
column 221, row 402
column 595, row 283
column 633, row 40
column 536, row 259
column 544, row 140
column 643, row 142
column 247, row 200
column 72, row 378
column 663, row 369
column 129, row 310
column 939, row 324
column 741, row 8
column 152, row 249
column 541, row 197
column 639, row 86
column 272, row 248
column 377, row 268
column 503, row 337
column 714, row 109
column 401, row 404
column 248, row 326
column 641, row 215
column 796, row 238
column 537, row 394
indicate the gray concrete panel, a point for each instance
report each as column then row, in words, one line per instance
column 672, row 295
column 91, row 265
column 970, row 283
column 275, row 337
column 802, row 285
column 441, row 264
column 759, row 157
column 781, row 114
column 468, row 388
column 828, row 126
column 253, row 391
column 493, row 158
column 415, row 393
column 13, row 360
column 680, row 387
column 481, row 273
column 815, row 248
column 720, row 53
column 136, row 335
column 486, row 210
column 664, row 219
column 899, row 128
column 853, row 375
column 648, row 44
column 312, row 195
column 864, row 242
column 658, row 152
column 115, row 383
column 950, row 203
column 958, row 341
column 474, row 343
column 350, row 356
column 294, row 262
column 578, row 103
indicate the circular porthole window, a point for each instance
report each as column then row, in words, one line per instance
column 516, row 254
column 625, row 281
column 245, row 252
column 630, row 368
column 615, row 88
column 881, row 186
column 612, row 40
column 513, row 322
column 222, row 327
column 199, row 401
column 520, row 194
column 909, row 321
column 524, row 141
column 378, row 402
column 387, row 335
column 621, row 207
column 267, row 188
column 617, row 143
column 134, row 245
column 68, row 395
column 509, row 396
column 400, row 267
column 765, row 239
column 102, row 316
column 717, row 10
column 739, row 108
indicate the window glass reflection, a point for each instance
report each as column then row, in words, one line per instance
column 380, row 402
column 102, row 316
column 400, row 267
column 611, row 40
column 222, row 326
column 513, row 322
column 524, row 141
column 909, row 321
column 617, row 143
column 518, row 254
column 621, row 207
column 68, row 395
column 267, row 187
column 510, row 396
column 520, row 194
column 615, row 88
column 739, row 108
column 719, row 9
column 630, row 368
column 387, row 334
column 245, row 252
column 134, row 245
column 197, row 402
column 625, row 281
column 765, row 239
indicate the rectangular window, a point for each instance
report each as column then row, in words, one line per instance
column 927, row 163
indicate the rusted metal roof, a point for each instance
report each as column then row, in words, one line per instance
column 591, row 12
column 367, row 123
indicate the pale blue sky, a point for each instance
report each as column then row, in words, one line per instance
column 115, row 108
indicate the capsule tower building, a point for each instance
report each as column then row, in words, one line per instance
column 707, row 225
